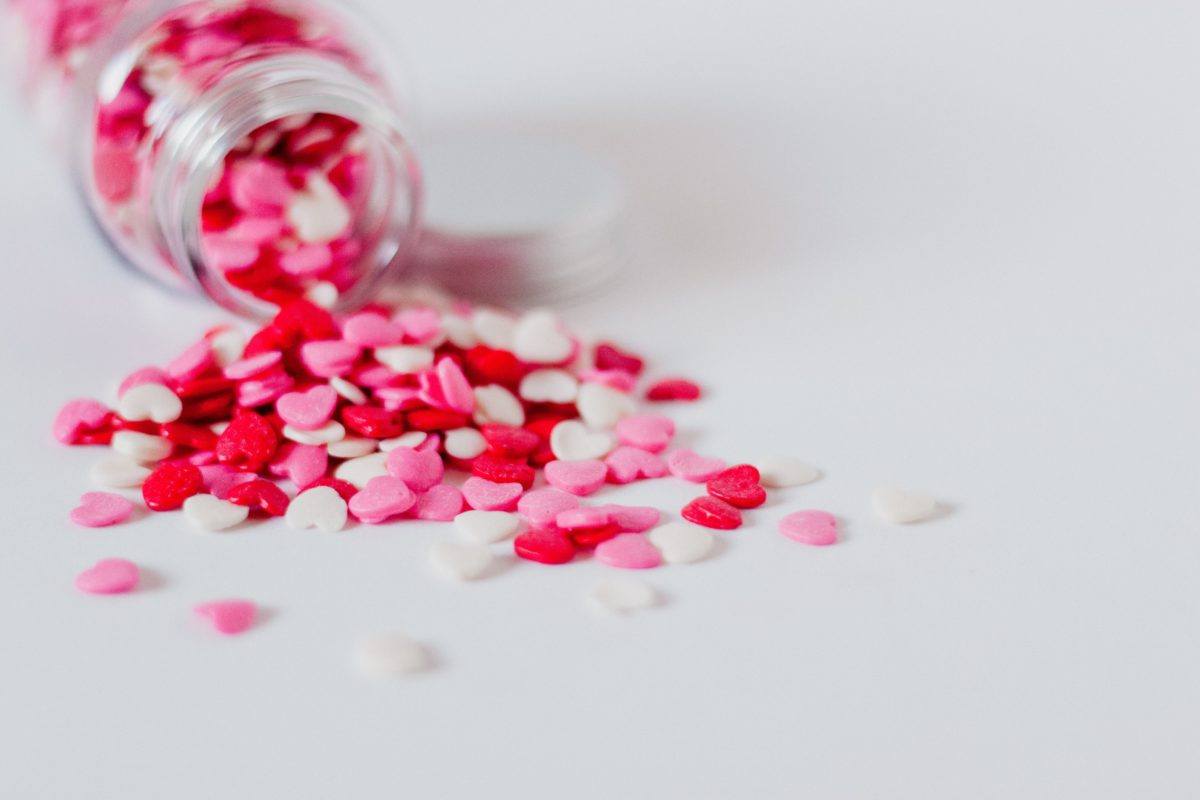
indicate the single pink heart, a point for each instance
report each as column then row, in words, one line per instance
column 420, row 324
column 577, row 477
column 302, row 464
column 192, row 362
column 77, row 418
column 263, row 389
column 627, row 464
column 628, row 551
column 632, row 519
column 376, row 376
column 442, row 503
column 810, row 527
column 652, row 432
column 398, row 398
column 369, row 329
column 420, row 469
column 328, row 359
column 617, row 379
column 219, row 479
column 100, row 509
column 582, row 518
column 384, row 496
column 253, row 366
column 447, row 387
column 308, row 410
column 691, row 467
column 541, row 507
column 229, row 616
column 143, row 376
column 485, row 495
column 109, row 576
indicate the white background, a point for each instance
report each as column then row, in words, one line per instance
column 947, row 244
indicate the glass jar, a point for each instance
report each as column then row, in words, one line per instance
column 254, row 150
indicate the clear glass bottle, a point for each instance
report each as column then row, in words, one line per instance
column 254, row 150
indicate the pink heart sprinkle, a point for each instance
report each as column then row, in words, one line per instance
column 377, row 376
column 628, row 551
column 143, row 376
column 541, row 507
column 456, row 389
column 627, row 464
column 100, row 509
column 420, row 469
column 810, row 527
column 263, row 389
column 370, row 329
column 306, row 260
column 253, row 366
column 442, row 503
column 192, row 362
column 304, row 464
column 308, row 410
column 384, row 496
column 577, row 518
column 652, row 432
column 617, row 379
column 695, row 468
column 229, row 616
column 398, row 398
column 577, row 477
column 77, row 418
column 632, row 519
column 109, row 576
column 329, row 359
column 420, row 324
column 484, row 495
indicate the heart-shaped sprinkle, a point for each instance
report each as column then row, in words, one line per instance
column 627, row 464
column 307, row 410
column 692, row 467
column 810, row 527
column 144, row 448
column 573, row 519
column 652, row 432
column 579, row 478
column 601, row 406
column 571, row 440
column 260, row 496
column 382, row 498
column 544, row 545
column 441, row 503
column 628, row 551
column 487, row 527
column 78, row 418
column 609, row 357
column 229, row 617
column 389, row 655
column 405, row 359
column 549, row 386
column 465, row 443
column 100, row 509
column 209, row 513
column 320, row 507
column 783, row 471
column 738, row 486
column 151, row 401
column 369, row 329
column 673, row 389
column 253, row 366
column 192, row 362
column 143, row 375
column 420, row 469
column 631, row 519
column 902, row 506
column 485, row 495
column 447, row 387
column 332, row 431
column 264, row 389
column 348, row 391
column 327, row 359
column 495, row 405
column 540, row 507
column 462, row 561
column 622, row 595
column 303, row 464
column 617, row 379
column 170, row 484
column 357, row 471
column 712, row 513
column 119, row 472
column 413, row 439
column 538, row 338
column 680, row 543
column 351, row 447
column 227, row 345
column 459, row 331
column 108, row 576
column 420, row 324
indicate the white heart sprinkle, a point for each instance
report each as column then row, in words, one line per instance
column 358, row 471
column 323, row 294
column 602, row 406
column 681, row 543
column 463, row 561
column 320, row 507
column 210, row 513
column 459, row 331
column 151, row 401
column 352, row 447
column 318, row 214
column 348, row 390
column 405, row 359
column 332, row 431
column 549, row 386
column 495, row 329
column 497, row 405
column 413, row 439
column 539, row 339
column 142, row 447
column 486, row 527
column 778, row 472
column 902, row 506
column 227, row 346
column 621, row 595
column 119, row 472
column 571, row 440
column 387, row 655
column 465, row 443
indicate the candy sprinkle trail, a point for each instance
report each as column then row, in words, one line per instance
column 321, row 419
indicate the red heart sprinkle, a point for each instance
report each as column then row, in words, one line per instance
column 673, row 389
column 712, row 513
column 249, row 442
column 498, row 469
column 609, row 357
column 373, row 422
column 739, row 486
column 170, row 484
column 544, row 546
column 261, row 496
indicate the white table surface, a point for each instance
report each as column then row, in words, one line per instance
column 949, row 245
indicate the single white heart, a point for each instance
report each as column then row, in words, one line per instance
column 209, row 513
column 602, row 406
column 332, row 431
column 320, row 507
column 462, row 561
column 549, row 386
column 227, row 346
column 151, row 401
column 493, row 328
column 459, row 331
column 571, row 440
column 497, row 405
column 318, row 214
column 681, row 543
column 348, row 390
column 486, row 527
column 621, row 595
column 465, row 443
column 902, row 506
column 352, row 447
column 358, row 471
column 119, row 472
column 144, row 448
column 778, row 472
column 413, row 439
column 539, row 339
column 405, row 359
column 387, row 655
